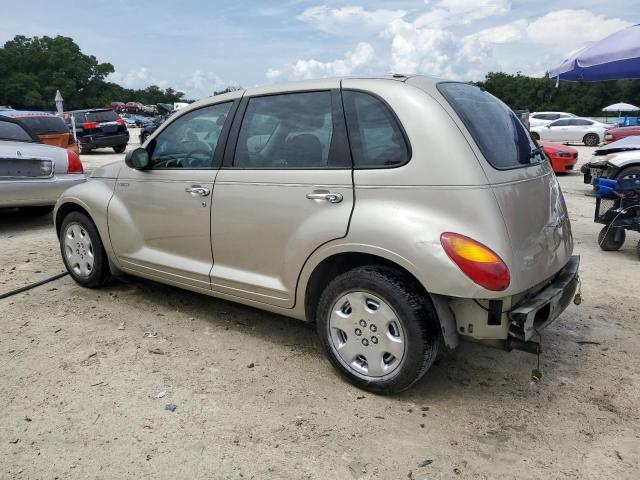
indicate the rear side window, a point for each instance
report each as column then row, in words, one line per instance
column 13, row 131
column 375, row 135
column 497, row 131
column 288, row 131
column 560, row 123
column 101, row 116
column 45, row 125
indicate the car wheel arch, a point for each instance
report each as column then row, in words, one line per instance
column 337, row 263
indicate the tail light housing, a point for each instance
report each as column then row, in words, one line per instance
column 120, row 121
column 478, row 262
column 74, row 165
column 90, row 125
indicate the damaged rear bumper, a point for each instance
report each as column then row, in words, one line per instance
column 535, row 312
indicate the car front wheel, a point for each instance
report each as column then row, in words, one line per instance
column 82, row 251
column 120, row 148
column 378, row 328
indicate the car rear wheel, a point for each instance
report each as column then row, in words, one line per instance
column 84, row 150
column 378, row 328
column 37, row 211
column 535, row 135
column 591, row 140
column 120, row 148
column 82, row 251
column 611, row 239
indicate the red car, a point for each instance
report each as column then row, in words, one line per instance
column 563, row 158
column 621, row 132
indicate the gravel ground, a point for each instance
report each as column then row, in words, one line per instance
column 86, row 377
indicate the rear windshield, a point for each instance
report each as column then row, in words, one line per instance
column 100, row 116
column 46, row 125
column 13, row 131
column 497, row 131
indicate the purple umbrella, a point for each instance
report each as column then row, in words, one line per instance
column 613, row 58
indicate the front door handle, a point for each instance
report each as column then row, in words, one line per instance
column 325, row 195
column 197, row 190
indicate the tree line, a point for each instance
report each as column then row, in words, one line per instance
column 541, row 94
column 33, row 68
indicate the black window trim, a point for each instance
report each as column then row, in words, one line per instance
column 501, row 169
column 395, row 117
column 339, row 151
column 216, row 161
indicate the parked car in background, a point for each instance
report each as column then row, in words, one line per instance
column 33, row 174
column 117, row 107
column 614, row 160
column 615, row 134
column 99, row 128
column 572, row 130
column 138, row 121
column 563, row 158
column 50, row 128
column 150, row 127
column 134, row 107
column 538, row 119
column 324, row 200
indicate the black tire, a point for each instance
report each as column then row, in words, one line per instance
column 120, row 148
column 611, row 239
column 413, row 310
column 37, row 211
column 100, row 273
column 84, row 151
column 591, row 140
column 634, row 170
column 535, row 135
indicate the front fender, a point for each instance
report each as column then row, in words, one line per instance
column 93, row 197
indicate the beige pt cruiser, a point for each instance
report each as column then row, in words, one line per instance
column 398, row 213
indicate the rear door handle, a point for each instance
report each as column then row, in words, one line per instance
column 197, row 190
column 325, row 195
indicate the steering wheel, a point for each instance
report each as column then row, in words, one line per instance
column 190, row 159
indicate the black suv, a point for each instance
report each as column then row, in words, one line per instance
column 99, row 128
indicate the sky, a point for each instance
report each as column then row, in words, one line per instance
column 199, row 46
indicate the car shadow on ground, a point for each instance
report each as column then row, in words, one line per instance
column 13, row 221
column 485, row 371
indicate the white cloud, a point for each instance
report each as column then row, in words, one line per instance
column 565, row 30
column 430, row 42
column 355, row 60
column 349, row 20
column 137, row 78
column 453, row 12
column 202, row 84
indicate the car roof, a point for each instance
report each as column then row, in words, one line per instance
column 86, row 110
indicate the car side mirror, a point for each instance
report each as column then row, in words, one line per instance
column 138, row 159
column 548, row 125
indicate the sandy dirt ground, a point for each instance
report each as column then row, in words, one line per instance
column 86, row 377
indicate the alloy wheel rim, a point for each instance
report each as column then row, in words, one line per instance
column 78, row 250
column 366, row 335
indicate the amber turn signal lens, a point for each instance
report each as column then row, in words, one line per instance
column 479, row 263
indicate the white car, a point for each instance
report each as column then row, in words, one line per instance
column 539, row 119
column 572, row 130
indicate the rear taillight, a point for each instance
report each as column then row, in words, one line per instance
column 120, row 121
column 74, row 165
column 90, row 125
column 479, row 263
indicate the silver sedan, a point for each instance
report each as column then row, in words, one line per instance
column 32, row 174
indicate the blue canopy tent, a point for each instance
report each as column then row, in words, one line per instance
column 616, row 57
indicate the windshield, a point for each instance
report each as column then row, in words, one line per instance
column 499, row 134
column 13, row 131
column 45, row 125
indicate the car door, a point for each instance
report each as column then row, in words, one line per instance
column 556, row 131
column 284, row 190
column 159, row 217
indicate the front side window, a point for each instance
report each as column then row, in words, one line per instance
column 288, row 131
column 190, row 141
column 581, row 123
column 376, row 138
